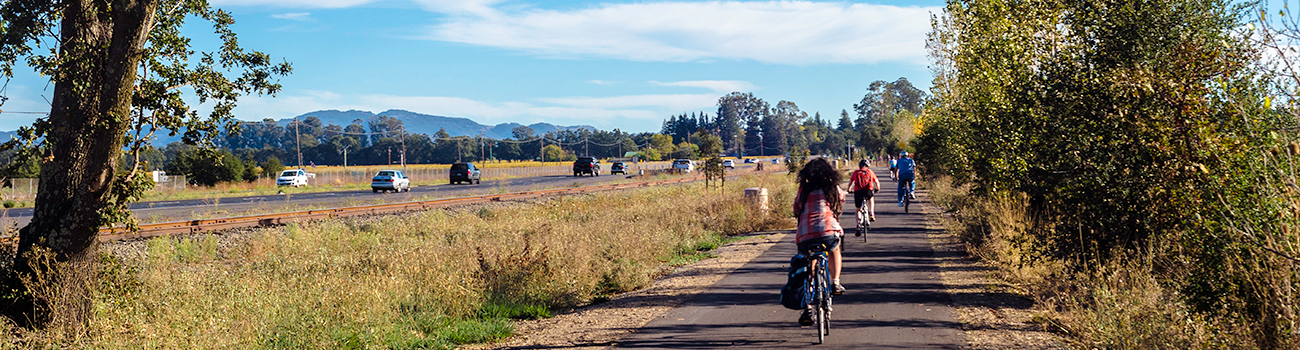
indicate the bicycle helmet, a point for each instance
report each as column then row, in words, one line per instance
column 862, row 163
column 902, row 154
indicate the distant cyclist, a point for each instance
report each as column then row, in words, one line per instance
column 864, row 184
column 818, row 208
column 893, row 167
column 906, row 177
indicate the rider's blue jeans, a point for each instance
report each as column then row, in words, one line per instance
column 905, row 186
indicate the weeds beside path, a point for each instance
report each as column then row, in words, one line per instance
column 994, row 314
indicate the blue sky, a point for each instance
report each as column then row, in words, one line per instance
column 614, row 64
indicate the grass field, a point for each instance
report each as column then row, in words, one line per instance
column 424, row 280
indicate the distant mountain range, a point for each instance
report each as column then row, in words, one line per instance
column 415, row 122
column 429, row 124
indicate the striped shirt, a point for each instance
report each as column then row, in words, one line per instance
column 816, row 219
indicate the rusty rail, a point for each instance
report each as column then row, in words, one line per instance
column 208, row 225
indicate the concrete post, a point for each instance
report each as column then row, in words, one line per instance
column 757, row 197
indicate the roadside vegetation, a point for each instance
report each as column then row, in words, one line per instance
column 422, row 280
column 1130, row 165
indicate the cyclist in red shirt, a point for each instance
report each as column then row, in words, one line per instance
column 864, row 184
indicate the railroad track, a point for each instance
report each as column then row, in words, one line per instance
column 118, row 233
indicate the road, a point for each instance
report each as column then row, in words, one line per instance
column 178, row 210
column 895, row 298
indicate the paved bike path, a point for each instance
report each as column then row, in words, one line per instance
column 895, row 298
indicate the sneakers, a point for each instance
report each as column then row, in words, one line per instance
column 806, row 318
column 912, row 195
column 900, row 203
column 837, row 289
column 858, row 233
column 872, row 218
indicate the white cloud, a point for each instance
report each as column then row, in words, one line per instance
column 783, row 32
column 715, row 85
column 459, row 7
column 296, row 16
column 333, row 4
column 630, row 112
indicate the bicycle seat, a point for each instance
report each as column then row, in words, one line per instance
column 819, row 248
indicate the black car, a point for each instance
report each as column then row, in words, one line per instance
column 586, row 165
column 618, row 168
column 465, row 172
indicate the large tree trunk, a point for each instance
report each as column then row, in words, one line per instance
column 100, row 48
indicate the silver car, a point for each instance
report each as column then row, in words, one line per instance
column 390, row 180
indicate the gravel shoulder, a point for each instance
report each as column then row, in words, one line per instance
column 993, row 314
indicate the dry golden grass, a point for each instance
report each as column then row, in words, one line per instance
column 421, row 280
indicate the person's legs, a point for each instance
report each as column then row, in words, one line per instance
column 871, row 208
column 902, row 187
column 858, row 198
column 834, row 266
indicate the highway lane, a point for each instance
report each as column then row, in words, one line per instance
column 163, row 211
column 895, row 297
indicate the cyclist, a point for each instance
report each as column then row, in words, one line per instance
column 906, row 177
column 864, row 184
column 893, row 167
column 817, row 206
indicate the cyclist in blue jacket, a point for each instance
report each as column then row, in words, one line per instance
column 906, row 176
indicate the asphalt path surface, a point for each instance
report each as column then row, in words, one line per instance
column 207, row 208
column 895, row 298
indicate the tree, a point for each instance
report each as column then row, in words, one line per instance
column 521, row 132
column 733, row 109
column 845, row 122
column 118, row 67
column 207, row 167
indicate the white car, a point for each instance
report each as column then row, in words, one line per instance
column 729, row 164
column 683, row 165
column 390, row 180
column 294, row 177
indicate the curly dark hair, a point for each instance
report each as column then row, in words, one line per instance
column 818, row 174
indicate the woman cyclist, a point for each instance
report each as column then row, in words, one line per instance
column 817, row 206
column 864, row 184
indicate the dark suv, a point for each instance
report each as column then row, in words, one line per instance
column 465, row 172
column 586, row 165
column 618, row 168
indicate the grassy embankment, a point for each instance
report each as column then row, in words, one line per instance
column 423, row 280
column 1119, row 304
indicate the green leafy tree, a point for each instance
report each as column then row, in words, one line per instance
column 1136, row 130
column 272, row 167
column 117, row 68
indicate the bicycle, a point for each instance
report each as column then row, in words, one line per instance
column 819, row 283
column 905, row 186
column 864, row 221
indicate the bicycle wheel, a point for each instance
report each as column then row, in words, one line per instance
column 907, row 204
column 820, row 302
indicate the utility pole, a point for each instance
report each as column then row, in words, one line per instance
column 403, row 149
column 297, row 137
column 345, row 158
column 390, row 155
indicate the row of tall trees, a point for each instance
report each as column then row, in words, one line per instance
column 888, row 118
